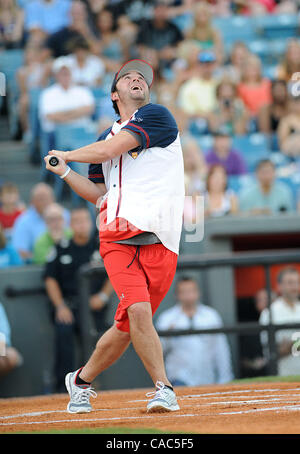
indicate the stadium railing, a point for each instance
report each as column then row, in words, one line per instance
column 204, row 261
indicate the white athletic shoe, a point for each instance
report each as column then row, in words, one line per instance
column 164, row 399
column 79, row 395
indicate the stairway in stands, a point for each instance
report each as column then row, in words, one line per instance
column 15, row 165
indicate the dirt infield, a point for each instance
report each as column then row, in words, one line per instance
column 256, row 408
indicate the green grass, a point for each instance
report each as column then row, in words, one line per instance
column 269, row 379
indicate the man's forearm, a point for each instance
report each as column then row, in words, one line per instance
column 84, row 187
column 103, row 150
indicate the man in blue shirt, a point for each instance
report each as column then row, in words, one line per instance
column 266, row 195
column 31, row 224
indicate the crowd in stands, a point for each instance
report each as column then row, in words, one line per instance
column 237, row 106
column 218, row 93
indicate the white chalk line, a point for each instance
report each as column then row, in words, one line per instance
column 256, row 410
column 119, row 418
column 48, row 412
column 220, row 393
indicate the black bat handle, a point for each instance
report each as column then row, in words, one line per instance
column 53, row 161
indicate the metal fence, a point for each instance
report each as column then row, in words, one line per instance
column 203, row 262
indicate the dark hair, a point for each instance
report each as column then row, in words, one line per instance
column 112, row 90
column 284, row 271
column 226, row 82
column 78, row 42
column 185, row 278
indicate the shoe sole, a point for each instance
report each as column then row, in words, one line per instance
column 68, row 386
column 159, row 408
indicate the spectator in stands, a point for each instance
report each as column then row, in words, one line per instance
column 195, row 167
column 11, row 24
column 127, row 32
column 253, row 8
column 230, row 112
column 63, row 103
column 289, row 129
column 266, row 195
column 285, row 309
column 59, row 43
column 186, row 64
column 31, row 223
column 254, row 89
column 10, row 207
column 8, row 255
column 194, row 360
column 62, row 287
column 49, row 16
column 87, row 69
column 237, row 57
column 197, row 96
column 107, row 43
column 56, row 231
column 204, row 33
column 10, row 358
column 291, row 62
column 270, row 115
column 195, row 170
column 160, row 34
column 34, row 74
column 224, row 154
column 287, row 7
column 218, row 199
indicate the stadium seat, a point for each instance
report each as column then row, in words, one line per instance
column 205, row 142
column 239, row 182
column 236, row 28
column 183, row 21
column 10, row 61
column 34, row 96
column 270, row 71
column 253, row 148
column 269, row 51
column 277, row 26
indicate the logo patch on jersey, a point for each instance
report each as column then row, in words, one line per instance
column 134, row 153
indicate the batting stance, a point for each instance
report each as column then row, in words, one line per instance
column 136, row 166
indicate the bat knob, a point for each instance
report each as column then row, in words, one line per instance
column 53, row 161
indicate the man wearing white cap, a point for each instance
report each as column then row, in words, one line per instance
column 63, row 103
column 137, row 166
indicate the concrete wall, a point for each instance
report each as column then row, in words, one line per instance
column 32, row 326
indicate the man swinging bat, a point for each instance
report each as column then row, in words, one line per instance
column 136, row 167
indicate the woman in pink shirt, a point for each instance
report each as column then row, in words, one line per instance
column 254, row 89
